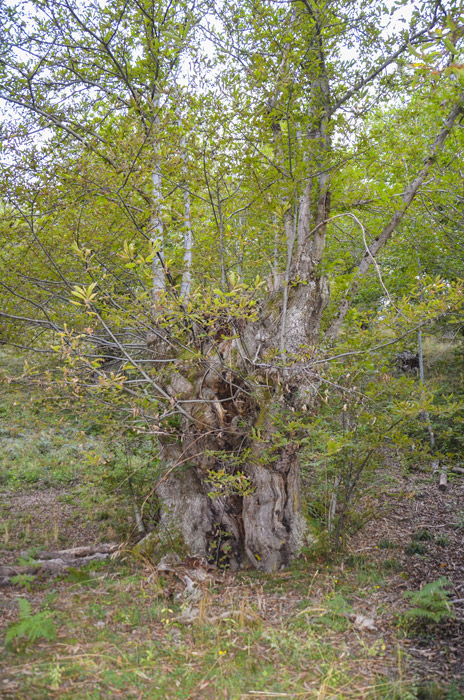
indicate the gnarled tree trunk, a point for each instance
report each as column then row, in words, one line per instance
column 238, row 397
column 231, row 401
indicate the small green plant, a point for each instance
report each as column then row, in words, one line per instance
column 460, row 519
column 30, row 627
column 79, row 576
column 55, row 676
column 431, row 603
column 23, row 580
column 416, row 548
column 392, row 565
column 422, row 535
column 443, row 541
column 336, row 615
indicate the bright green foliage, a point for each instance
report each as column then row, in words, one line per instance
column 225, row 484
column 24, row 580
column 30, row 627
column 431, row 603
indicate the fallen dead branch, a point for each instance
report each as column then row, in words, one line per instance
column 457, row 470
column 57, row 562
column 78, row 552
column 443, row 482
column 443, row 477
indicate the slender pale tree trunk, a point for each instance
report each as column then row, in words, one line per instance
column 188, row 248
column 188, row 237
column 156, row 220
column 275, row 272
column 222, row 243
column 290, row 223
column 238, row 246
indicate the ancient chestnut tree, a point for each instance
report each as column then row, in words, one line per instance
column 175, row 177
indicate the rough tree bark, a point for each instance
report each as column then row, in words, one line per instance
column 236, row 398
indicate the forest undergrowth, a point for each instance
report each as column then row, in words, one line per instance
column 330, row 627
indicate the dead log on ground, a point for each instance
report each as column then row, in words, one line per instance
column 457, row 470
column 77, row 552
column 56, row 563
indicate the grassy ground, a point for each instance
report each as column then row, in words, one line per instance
column 128, row 634
column 328, row 628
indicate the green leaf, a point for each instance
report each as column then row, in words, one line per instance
column 31, row 627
